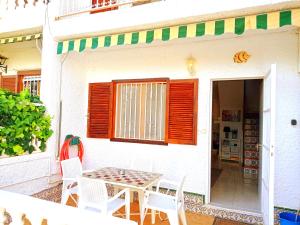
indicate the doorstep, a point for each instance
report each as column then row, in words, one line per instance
column 231, row 214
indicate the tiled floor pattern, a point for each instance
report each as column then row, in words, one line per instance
column 234, row 215
column 219, row 221
column 197, row 213
column 232, row 191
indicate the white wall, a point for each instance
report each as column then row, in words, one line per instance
column 20, row 174
column 214, row 61
column 21, row 56
column 159, row 14
column 22, row 18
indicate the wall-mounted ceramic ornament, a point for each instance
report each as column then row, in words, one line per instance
column 241, row 57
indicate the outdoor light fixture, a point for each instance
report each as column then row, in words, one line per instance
column 2, row 63
column 190, row 63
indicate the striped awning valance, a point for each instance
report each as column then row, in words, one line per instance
column 237, row 26
column 20, row 38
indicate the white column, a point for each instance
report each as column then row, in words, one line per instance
column 50, row 82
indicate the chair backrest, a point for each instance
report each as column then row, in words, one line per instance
column 92, row 193
column 71, row 168
column 179, row 192
column 142, row 164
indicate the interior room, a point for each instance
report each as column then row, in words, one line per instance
column 236, row 134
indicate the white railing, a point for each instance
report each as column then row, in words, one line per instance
column 17, row 208
column 19, row 4
column 74, row 7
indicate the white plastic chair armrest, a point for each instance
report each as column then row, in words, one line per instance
column 147, row 193
column 124, row 191
column 165, row 181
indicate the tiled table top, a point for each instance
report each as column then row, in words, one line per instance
column 126, row 177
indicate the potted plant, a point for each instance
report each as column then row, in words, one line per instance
column 24, row 124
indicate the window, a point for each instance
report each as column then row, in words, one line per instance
column 158, row 111
column 33, row 84
column 8, row 83
column 140, row 111
column 31, row 80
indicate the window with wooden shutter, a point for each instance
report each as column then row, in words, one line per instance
column 153, row 111
column 183, row 103
column 140, row 110
column 31, row 80
column 9, row 83
column 99, row 110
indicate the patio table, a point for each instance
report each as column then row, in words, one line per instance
column 133, row 179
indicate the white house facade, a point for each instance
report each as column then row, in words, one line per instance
column 214, row 48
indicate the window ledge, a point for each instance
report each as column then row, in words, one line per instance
column 139, row 141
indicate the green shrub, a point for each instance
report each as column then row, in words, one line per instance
column 23, row 119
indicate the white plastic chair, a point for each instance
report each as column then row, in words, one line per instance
column 173, row 206
column 141, row 164
column 71, row 169
column 93, row 196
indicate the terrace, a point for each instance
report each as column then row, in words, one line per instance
column 45, row 208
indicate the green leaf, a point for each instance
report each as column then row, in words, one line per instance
column 18, row 149
column 22, row 118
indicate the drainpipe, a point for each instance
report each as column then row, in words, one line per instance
column 63, row 59
column 37, row 45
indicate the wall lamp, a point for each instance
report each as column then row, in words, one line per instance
column 190, row 63
column 3, row 67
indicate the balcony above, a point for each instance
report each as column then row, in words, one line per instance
column 79, row 18
column 30, row 14
column 69, row 8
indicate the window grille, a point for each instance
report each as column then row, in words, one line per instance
column 140, row 111
column 33, row 84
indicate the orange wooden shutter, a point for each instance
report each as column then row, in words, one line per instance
column 183, row 110
column 9, row 83
column 99, row 109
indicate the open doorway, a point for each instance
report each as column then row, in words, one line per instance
column 236, row 134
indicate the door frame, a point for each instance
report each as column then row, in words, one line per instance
column 209, row 128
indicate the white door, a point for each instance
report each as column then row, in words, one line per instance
column 268, row 146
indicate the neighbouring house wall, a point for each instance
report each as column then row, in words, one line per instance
column 214, row 61
column 21, row 18
column 21, row 56
column 19, row 174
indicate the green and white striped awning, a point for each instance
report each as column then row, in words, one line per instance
column 20, row 38
column 238, row 26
